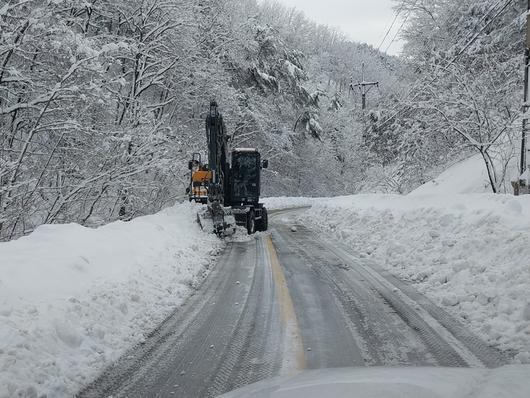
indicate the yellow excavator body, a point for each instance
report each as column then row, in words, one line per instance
column 202, row 176
column 199, row 185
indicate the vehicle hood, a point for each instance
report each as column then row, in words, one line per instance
column 511, row 381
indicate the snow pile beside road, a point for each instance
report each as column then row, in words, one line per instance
column 286, row 202
column 72, row 299
column 467, row 176
column 469, row 253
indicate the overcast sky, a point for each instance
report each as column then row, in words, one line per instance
column 362, row 20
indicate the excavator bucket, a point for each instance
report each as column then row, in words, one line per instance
column 217, row 219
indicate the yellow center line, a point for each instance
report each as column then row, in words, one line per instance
column 294, row 357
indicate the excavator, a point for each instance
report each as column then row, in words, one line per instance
column 228, row 183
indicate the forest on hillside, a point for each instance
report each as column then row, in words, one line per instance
column 464, row 94
column 102, row 102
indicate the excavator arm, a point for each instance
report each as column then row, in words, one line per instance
column 214, row 177
column 217, row 140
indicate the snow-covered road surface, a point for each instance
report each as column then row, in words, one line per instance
column 468, row 253
column 286, row 301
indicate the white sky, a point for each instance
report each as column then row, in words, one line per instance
column 364, row 21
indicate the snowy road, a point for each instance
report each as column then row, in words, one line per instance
column 285, row 302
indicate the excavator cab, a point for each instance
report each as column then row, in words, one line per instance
column 245, row 173
column 245, row 181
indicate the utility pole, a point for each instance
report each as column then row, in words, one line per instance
column 521, row 186
column 525, row 104
column 364, row 86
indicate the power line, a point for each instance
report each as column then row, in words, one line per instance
column 453, row 60
column 391, row 25
column 395, row 36
column 460, row 41
column 479, row 32
column 401, row 27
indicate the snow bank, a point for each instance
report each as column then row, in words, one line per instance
column 286, row 202
column 467, row 176
column 72, row 299
column 469, row 253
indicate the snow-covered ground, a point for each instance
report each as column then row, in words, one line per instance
column 466, row 249
column 286, row 202
column 468, row 252
column 72, row 299
column 467, row 176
